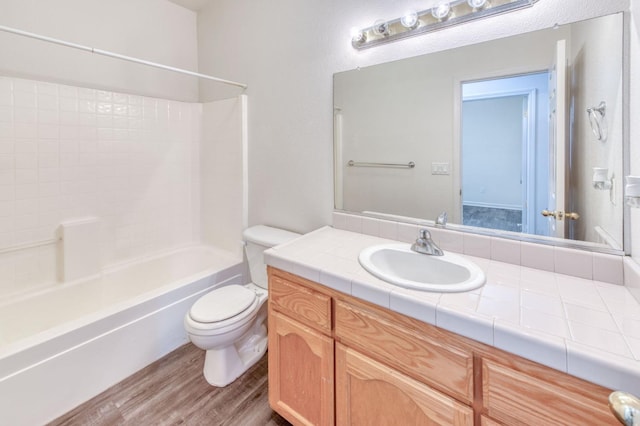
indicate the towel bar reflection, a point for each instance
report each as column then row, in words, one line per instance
column 409, row 165
column 25, row 246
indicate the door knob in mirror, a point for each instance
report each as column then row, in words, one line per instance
column 559, row 215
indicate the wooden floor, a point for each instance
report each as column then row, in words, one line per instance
column 173, row 391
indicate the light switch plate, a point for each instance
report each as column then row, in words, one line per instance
column 439, row 168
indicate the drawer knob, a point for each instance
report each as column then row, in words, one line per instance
column 625, row 407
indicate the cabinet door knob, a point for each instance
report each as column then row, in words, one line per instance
column 559, row 214
column 625, row 407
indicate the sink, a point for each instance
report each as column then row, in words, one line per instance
column 398, row 264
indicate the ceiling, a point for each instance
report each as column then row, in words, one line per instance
column 194, row 5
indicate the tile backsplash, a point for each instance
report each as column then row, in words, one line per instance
column 68, row 152
column 578, row 263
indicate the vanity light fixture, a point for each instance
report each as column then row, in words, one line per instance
column 441, row 11
column 381, row 28
column 443, row 14
column 410, row 20
column 358, row 36
column 477, row 4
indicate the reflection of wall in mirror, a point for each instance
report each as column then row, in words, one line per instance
column 595, row 62
column 403, row 111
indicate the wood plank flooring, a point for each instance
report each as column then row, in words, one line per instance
column 173, row 391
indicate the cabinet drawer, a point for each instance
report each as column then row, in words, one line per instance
column 369, row 393
column 301, row 303
column 515, row 397
column 434, row 362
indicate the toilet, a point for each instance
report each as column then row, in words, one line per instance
column 230, row 322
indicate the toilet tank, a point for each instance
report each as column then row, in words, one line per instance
column 259, row 238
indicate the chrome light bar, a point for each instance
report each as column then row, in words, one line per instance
column 442, row 15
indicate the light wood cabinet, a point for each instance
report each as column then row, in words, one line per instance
column 537, row 395
column 301, row 363
column 391, row 369
column 432, row 360
column 370, row 393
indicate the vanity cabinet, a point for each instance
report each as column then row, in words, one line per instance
column 301, row 354
column 336, row 359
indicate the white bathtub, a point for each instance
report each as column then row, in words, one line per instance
column 62, row 346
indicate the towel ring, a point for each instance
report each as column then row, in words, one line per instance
column 597, row 122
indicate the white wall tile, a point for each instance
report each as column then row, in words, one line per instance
column 477, row 245
column 602, row 367
column 577, row 263
column 407, row 233
column 52, row 136
column 388, row 229
column 354, row 223
column 547, row 350
column 339, row 220
column 370, row 226
column 537, row 256
column 504, row 250
column 608, row 268
column 448, row 240
column 466, row 323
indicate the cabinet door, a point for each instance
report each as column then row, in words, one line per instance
column 300, row 372
column 369, row 393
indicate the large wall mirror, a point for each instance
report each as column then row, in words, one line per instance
column 521, row 136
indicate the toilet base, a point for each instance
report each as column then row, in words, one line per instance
column 222, row 366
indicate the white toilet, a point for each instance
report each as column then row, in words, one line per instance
column 230, row 322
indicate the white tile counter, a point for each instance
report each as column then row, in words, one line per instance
column 586, row 328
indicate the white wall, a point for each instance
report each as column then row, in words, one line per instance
column 595, row 80
column 223, row 185
column 154, row 30
column 492, row 132
column 288, row 51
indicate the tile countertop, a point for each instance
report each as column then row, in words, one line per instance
column 585, row 328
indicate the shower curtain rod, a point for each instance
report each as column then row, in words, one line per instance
column 117, row 55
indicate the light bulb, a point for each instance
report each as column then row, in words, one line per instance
column 476, row 4
column 409, row 19
column 358, row 36
column 441, row 11
column 381, row 27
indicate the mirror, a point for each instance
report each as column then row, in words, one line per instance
column 500, row 135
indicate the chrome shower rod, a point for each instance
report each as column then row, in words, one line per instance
column 117, row 55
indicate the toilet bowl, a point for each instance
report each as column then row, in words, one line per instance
column 230, row 322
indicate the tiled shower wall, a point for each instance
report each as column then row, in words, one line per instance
column 69, row 152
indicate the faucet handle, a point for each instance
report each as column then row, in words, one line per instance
column 442, row 219
column 425, row 234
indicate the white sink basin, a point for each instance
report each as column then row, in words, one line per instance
column 398, row 264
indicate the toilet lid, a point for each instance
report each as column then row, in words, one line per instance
column 222, row 303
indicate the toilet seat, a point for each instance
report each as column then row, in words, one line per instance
column 221, row 310
column 222, row 303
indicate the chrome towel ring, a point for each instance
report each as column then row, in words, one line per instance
column 597, row 121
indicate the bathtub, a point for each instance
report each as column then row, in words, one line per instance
column 62, row 346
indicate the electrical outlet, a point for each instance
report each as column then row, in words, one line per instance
column 439, row 168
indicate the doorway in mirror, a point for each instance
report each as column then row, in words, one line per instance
column 505, row 152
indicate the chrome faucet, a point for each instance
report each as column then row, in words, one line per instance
column 425, row 245
column 441, row 220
